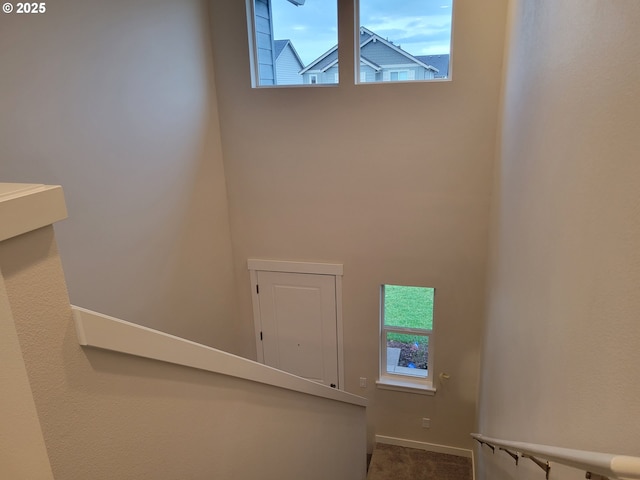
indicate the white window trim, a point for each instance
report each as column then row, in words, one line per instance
column 397, row 381
column 400, row 66
column 315, row 76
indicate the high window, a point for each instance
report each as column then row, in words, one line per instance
column 402, row 41
column 406, row 337
column 293, row 42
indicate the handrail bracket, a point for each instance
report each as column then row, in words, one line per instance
column 511, row 454
column 543, row 465
column 493, row 449
column 595, row 476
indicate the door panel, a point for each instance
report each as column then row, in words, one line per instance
column 298, row 321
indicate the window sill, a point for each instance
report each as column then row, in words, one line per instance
column 406, row 386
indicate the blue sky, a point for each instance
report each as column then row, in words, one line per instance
column 421, row 27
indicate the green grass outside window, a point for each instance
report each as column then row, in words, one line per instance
column 408, row 307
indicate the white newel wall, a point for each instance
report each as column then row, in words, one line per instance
column 102, row 414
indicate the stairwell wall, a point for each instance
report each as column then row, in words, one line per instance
column 562, row 343
column 115, row 101
column 106, row 415
column 393, row 181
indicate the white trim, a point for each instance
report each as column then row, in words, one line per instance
column 604, row 464
column 25, row 207
column 293, row 50
column 376, row 37
column 334, row 269
column 317, row 60
column 253, row 44
column 315, row 77
column 257, row 326
column 329, row 65
column 398, row 385
column 102, row 331
column 295, row 267
column 340, row 332
column 369, row 63
column 402, row 66
column 429, row 447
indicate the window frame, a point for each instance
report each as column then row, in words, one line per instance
column 254, row 62
column 399, row 381
column 358, row 66
column 313, row 76
column 254, row 50
column 391, row 72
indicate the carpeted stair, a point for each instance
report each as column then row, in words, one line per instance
column 390, row 462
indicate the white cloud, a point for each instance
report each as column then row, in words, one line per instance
column 411, row 26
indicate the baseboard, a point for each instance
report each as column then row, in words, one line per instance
column 430, row 447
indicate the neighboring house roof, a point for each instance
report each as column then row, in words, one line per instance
column 373, row 37
column 441, row 62
column 373, row 65
column 323, row 60
column 330, row 57
column 280, row 45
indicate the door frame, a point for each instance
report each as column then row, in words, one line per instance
column 256, row 265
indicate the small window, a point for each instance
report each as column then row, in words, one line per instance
column 292, row 41
column 396, row 76
column 406, row 336
column 404, row 42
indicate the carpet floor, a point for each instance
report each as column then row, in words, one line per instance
column 400, row 463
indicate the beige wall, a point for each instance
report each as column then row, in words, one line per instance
column 22, row 449
column 391, row 180
column 115, row 101
column 106, row 415
column 561, row 354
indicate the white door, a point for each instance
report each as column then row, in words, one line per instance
column 298, row 324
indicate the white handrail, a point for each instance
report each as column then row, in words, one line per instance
column 605, row 464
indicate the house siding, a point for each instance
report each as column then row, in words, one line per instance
column 323, row 77
column 288, row 68
column 330, row 75
column 379, row 53
column 264, row 40
column 369, row 72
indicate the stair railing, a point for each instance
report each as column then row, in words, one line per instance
column 595, row 464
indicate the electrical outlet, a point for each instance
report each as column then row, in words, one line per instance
column 363, row 382
column 426, row 423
